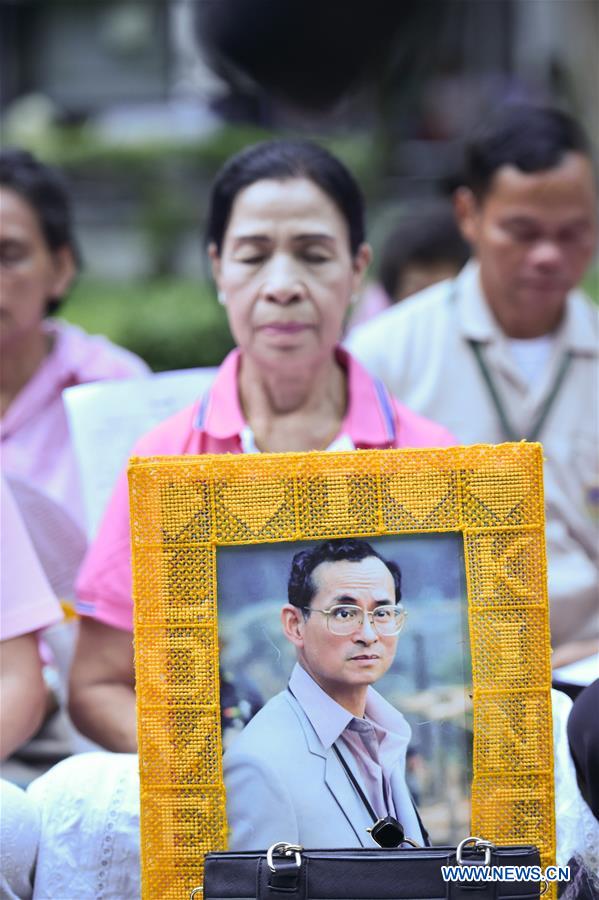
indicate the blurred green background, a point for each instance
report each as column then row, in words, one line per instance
column 137, row 107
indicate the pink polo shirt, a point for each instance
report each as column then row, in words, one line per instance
column 36, row 445
column 214, row 424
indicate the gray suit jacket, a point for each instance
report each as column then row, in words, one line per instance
column 283, row 785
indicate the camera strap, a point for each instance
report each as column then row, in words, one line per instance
column 356, row 784
column 387, row 831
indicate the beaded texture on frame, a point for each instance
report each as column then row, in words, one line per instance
column 184, row 507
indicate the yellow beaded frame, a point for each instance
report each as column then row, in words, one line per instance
column 183, row 508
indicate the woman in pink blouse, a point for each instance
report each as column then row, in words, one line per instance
column 287, row 246
column 41, row 356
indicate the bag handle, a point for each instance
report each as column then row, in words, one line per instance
column 284, row 879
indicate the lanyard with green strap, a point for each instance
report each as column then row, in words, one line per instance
column 509, row 431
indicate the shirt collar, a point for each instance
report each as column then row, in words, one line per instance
column 219, row 412
column 369, row 419
column 330, row 720
column 57, row 371
column 579, row 328
column 70, row 350
column 477, row 322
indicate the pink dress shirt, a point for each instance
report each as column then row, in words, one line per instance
column 373, row 747
column 214, row 424
column 28, row 603
column 34, row 431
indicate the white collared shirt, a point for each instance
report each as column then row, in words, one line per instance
column 420, row 350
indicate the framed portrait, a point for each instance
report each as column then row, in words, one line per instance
column 275, row 593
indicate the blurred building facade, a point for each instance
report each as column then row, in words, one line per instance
column 89, row 57
column 127, row 74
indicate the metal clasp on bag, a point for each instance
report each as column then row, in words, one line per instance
column 474, row 843
column 283, row 849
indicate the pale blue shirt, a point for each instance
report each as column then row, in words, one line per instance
column 373, row 746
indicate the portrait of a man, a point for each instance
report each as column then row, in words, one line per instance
column 326, row 757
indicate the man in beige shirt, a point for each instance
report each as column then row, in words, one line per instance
column 509, row 350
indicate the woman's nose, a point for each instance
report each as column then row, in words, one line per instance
column 282, row 284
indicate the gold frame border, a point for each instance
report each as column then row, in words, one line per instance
column 186, row 507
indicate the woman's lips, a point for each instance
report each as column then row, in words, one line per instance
column 285, row 327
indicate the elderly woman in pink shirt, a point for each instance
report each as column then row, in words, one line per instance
column 286, row 241
column 39, row 357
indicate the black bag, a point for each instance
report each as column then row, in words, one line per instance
column 288, row 872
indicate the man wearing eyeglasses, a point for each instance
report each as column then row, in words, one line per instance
column 324, row 760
